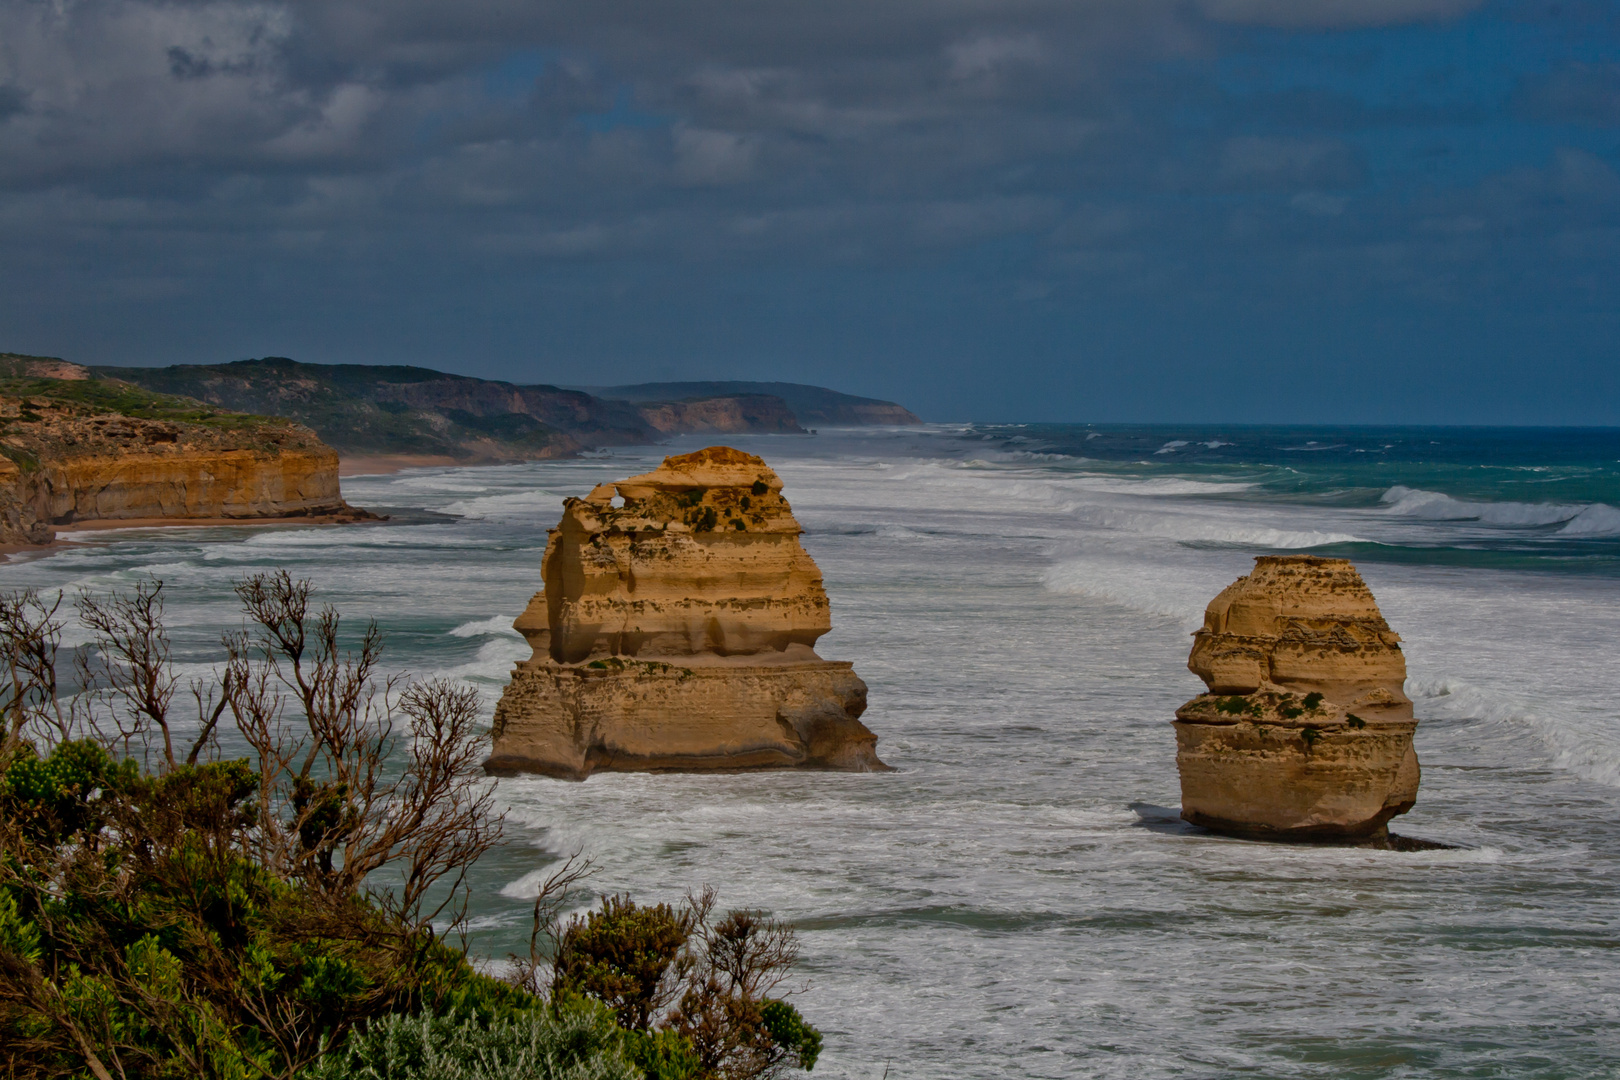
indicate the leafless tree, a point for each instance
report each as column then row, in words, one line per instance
column 356, row 782
column 533, row 972
column 733, row 965
column 30, row 640
column 365, row 779
column 346, row 788
column 132, row 661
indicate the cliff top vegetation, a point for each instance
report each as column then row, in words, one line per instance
column 258, row 873
column 364, row 409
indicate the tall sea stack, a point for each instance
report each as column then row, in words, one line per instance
column 676, row 630
column 1306, row 732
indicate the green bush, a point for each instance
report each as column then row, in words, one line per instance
column 224, row 918
column 138, row 935
column 273, row 917
column 620, row 955
column 579, row 1041
column 693, row 987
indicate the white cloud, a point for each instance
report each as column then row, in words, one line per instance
column 989, row 54
column 704, row 156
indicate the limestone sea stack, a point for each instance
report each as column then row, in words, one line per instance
column 676, row 630
column 1306, row 732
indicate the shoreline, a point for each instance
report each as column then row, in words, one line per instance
column 64, row 534
column 109, row 524
column 386, row 464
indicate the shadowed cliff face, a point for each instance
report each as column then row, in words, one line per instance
column 383, row 409
column 676, row 631
column 812, row 405
column 1306, row 731
column 722, row 415
column 69, row 460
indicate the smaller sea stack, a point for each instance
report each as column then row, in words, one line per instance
column 1306, row 732
column 676, row 631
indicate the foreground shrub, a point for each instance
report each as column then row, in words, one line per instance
column 168, row 913
column 687, row 974
column 578, row 1041
column 199, row 917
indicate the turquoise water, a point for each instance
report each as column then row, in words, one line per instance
column 1538, row 498
column 1019, row 899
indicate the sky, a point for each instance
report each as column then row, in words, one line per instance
column 1234, row 211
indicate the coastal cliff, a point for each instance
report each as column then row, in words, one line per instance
column 811, row 406
column 1306, row 732
column 369, row 410
column 722, row 415
column 676, row 630
column 75, row 450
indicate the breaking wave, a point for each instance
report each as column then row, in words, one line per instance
column 1584, row 749
column 1434, row 506
column 1599, row 519
column 494, row 626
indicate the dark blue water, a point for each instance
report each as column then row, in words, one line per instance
column 1508, row 498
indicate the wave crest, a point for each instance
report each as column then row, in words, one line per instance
column 1599, row 519
column 1435, row 506
column 494, row 626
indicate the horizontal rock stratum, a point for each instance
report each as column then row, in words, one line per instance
column 1306, row 732
column 676, row 630
column 77, row 450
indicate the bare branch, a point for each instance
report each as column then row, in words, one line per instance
column 129, row 632
column 30, row 639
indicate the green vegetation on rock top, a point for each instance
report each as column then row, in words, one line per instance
column 107, row 396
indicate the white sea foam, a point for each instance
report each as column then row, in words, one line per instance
column 1433, row 506
column 992, row 908
column 1161, row 485
column 1599, row 519
column 494, row 626
column 1588, row 746
column 1171, row 447
column 1153, row 590
column 527, row 887
column 516, row 505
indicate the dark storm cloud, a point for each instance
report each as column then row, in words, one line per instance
column 374, row 180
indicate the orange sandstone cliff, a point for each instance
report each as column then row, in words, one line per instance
column 68, row 462
column 1306, row 732
column 676, row 630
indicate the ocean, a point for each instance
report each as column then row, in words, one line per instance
column 1019, row 899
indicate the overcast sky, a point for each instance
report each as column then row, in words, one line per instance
column 1234, row 210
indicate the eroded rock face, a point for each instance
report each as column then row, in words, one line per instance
column 676, row 630
column 1306, row 732
column 66, row 465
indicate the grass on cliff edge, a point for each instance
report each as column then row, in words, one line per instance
column 91, row 396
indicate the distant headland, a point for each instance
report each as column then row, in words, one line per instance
column 265, row 440
column 371, row 414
